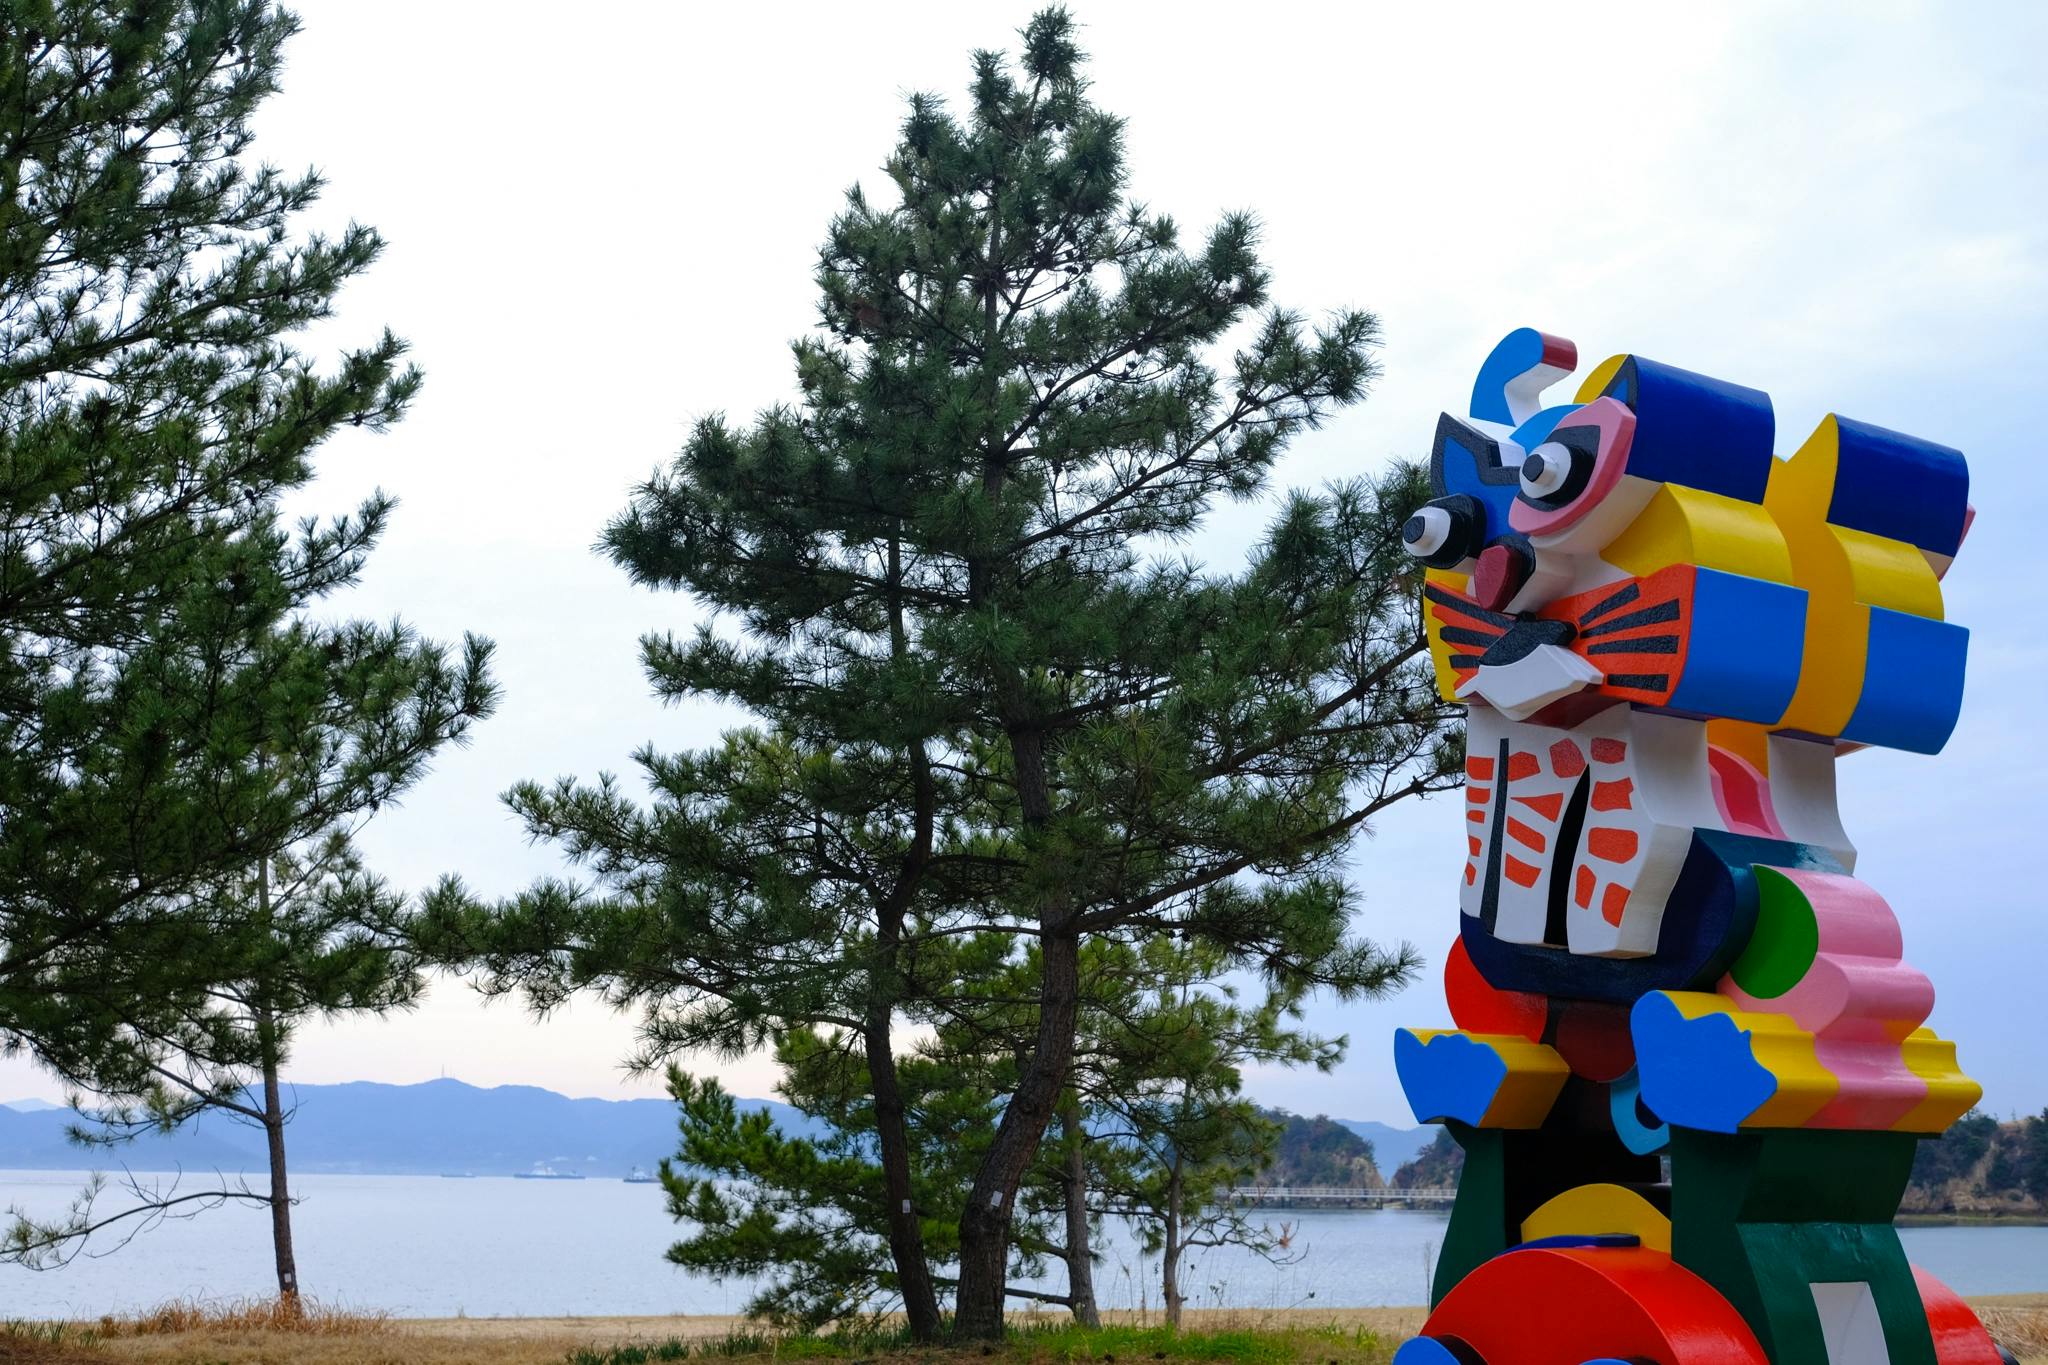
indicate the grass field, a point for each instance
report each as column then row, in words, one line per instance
column 256, row 1335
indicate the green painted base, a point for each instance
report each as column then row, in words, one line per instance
column 1763, row 1216
column 1509, row 1174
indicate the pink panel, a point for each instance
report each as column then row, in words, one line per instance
column 1617, row 425
column 1858, row 1000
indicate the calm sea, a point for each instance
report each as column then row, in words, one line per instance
column 494, row 1246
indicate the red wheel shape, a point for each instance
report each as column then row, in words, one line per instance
column 1570, row 1305
column 1959, row 1339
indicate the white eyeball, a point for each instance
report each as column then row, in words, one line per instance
column 1546, row 469
column 1427, row 531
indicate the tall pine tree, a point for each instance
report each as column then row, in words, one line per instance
column 990, row 697
column 172, row 713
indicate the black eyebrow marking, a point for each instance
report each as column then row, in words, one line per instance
column 1620, row 599
column 1648, row 616
column 1648, row 644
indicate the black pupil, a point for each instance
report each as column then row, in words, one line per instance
column 1415, row 529
column 1533, row 467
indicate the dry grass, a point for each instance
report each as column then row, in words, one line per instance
column 394, row 1346
column 256, row 1333
column 2019, row 1322
column 291, row 1316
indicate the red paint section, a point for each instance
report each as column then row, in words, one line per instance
column 1582, row 890
column 1742, row 795
column 1523, row 834
column 1560, row 353
column 1521, row 873
column 1613, row 904
column 1614, row 795
column 1522, row 766
column 1477, row 1007
column 1609, row 750
column 1959, row 1339
column 1499, row 575
column 1614, row 845
column 1566, row 759
column 1594, row 1040
column 1569, row 1306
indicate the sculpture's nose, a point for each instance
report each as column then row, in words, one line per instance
column 1499, row 575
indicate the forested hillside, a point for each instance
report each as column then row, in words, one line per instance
column 1435, row 1167
column 1983, row 1166
column 1979, row 1166
column 1320, row 1151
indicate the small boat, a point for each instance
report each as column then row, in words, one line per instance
column 639, row 1176
column 458, row 1175
column 542, row 1171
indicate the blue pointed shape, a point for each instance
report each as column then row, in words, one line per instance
column 1696, row 1073
column 1451, row 1076
column 1519, row 352
column 1537, row 429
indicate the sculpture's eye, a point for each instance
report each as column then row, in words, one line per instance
column 1445, row 533
column 1546, row 470
column 1568, row 473
column 1427, row 531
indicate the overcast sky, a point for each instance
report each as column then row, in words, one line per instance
column 603, row 220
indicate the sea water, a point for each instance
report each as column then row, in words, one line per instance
column 494, row 1246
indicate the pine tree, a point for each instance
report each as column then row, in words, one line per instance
column 803, row 1214
column 172, row 717
column 989, row 697
column 2034, row 1158
column 310, row 942
column 1159, row 1073
column 1153, row 1129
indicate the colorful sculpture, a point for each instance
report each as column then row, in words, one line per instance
column 1666, row 636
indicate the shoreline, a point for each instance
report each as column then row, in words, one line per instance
column 1291, row 1336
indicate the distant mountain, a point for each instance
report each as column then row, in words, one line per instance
column 441, row 1127
column 37, row 1141
column 432, row 1128
column 28, row 1106
column 1392, row 1147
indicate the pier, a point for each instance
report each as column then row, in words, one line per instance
column 1343, row 1196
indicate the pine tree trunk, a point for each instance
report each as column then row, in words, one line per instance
column 906, row 1232
column 273, row 1124
column 1169, row 1270
column 280, row 1189
column 1080, row 1253
column 985, row 1223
